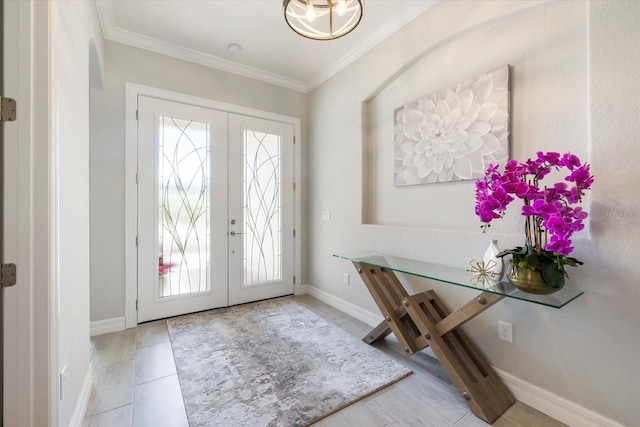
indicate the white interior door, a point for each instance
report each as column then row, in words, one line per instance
column 182, row 208
column 261, row 210
column 215, row 209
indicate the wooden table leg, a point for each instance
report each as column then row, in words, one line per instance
column 378, row 333
column 469, row 370
column 388, row 293
column 423, row 319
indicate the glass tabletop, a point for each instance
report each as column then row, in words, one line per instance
column 460, row 277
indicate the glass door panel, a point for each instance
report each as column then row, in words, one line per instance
column 262, row 203
column 260, row 209
column 183, row 187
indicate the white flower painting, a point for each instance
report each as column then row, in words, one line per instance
column 454, row 134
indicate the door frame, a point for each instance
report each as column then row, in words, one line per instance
column 31, row 382
column 132, row 91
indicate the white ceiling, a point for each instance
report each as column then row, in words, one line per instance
column 201, row 31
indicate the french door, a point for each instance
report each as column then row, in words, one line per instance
column 215, row 204
column 260, row 209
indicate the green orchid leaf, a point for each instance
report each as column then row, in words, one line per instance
column 534, row 261
column 519, row 250
column 571, row 261
column 552, row 275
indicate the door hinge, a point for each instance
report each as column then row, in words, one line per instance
column 136, row 178
column 294, row 280
column 7, row 275
column 136, row 305
column 7, row 109
column 294, row 139
column 294, row 186
column 294, row 232
column 136, row 241
column 136, row 114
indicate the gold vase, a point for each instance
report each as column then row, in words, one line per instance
column 531, row 281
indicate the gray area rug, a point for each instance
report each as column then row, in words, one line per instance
column 272, row 363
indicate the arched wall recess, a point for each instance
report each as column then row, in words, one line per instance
column 546, row 45
column 96, row 66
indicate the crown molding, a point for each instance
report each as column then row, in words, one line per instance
column 111, row 32
column 387, row 30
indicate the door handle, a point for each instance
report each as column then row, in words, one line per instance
column 233, row 233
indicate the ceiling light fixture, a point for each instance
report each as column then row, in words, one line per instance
column 323, row 19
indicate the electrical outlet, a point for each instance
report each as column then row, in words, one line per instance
column 345, row 278
column 505, row 331
column 63, row 381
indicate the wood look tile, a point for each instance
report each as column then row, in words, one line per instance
column 422, row 361
column 116, row 347
column 120, row 417
column 332, row 315
column 151, row 333
column 353, row 415
column 470, row 420
column 525, row 416
column 159, row 403
column 419, row 400
column 154, row 362
column 112, row 388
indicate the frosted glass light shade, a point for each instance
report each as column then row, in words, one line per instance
column 323, row 19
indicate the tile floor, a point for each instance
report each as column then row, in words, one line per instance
column 135, row 384
column 134, row 369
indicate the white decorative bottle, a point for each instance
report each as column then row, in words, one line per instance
column 493, row 265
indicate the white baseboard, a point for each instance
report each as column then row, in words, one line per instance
column 361, row 314
column 99, row 327
column 538, row 398
column 83, row 399
column 553, row 405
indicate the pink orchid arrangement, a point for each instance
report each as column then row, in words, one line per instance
column 551, row 212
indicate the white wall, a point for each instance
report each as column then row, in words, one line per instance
column 75, row 24
column 128, row 64
column 573, row 89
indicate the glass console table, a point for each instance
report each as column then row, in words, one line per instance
column 423, row 320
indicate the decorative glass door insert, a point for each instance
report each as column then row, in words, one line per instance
column 184, row 208
column 262, row 208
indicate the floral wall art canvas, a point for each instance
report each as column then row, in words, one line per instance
column 453, row 134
